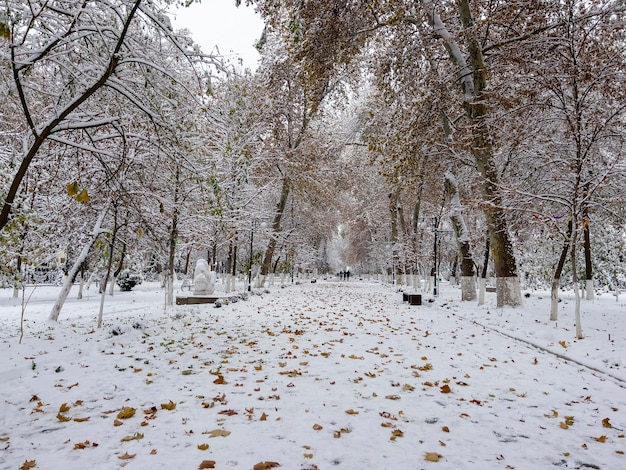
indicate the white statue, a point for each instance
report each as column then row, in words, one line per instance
column 203, row 278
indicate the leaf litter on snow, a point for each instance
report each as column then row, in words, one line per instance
column 310, row 376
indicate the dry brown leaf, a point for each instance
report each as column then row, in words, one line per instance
column 432, row 456
column 318, row 427
column 445, row 389
column 263, row 417
column 207, row 464
column 265, row 465
column 606, row 423
column 62, row 418
column 218, row 433
column 117, row 422
column 81, row 445
column 28, row 464
column 153, row 452
column 600, row 439
column 126, row 413
column 228, row 412
column 168, row 406
column 127, row 456
column 352, row 412
column 220, row 380
column 80, row 420
column 445, row 429
column 64, row 408
column 135, row 437
column 204, row 446
column 392, row 397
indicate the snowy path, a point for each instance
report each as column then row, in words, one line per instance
column 317, row 376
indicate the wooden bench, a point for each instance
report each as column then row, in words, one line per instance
column 415, row 299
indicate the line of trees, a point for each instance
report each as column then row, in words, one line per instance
column 366, row 122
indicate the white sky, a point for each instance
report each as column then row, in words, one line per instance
column 220, row 23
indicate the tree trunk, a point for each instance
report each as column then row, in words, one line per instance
column 587, row 250
column 395, row 213
column 105, row 280
column 170, row 260
column 468, row 273
column 228, row 267
column 482, row 280
column 554, row 293
column 472, row 75
column 271, row 245
column 67, row 285
column 233, row 278
column 579, row 330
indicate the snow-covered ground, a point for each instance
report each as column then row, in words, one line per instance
column 312, row 376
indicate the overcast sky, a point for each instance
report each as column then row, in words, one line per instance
column 220, row 23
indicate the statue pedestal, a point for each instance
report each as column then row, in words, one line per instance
column 196, row 299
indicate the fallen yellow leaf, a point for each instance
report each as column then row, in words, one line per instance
column 168, row 406
column 265, row 465
column 432, row 456
column 28, row 464
column 62, row 418
column 218, row 433
column 135, row 437
column 126, row 412
column 220, row 380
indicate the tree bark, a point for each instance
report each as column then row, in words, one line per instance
column 554, row 293
column 482, row 280
column 587, row 248
column 67, row 285
column 472, row 75
column 579, row 330
column 105, row 280
column 271, row 245
column 468, row 273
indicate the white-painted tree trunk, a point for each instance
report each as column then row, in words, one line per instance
column 67, row 284
column 482, row 285
column 554, row 300
column 589, row 287
column 468, row 288
column 79, row 296
column 92, row 276
column 169, row 296
column 579, row 329
column 508, row 291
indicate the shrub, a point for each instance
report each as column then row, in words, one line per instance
column 128, row 279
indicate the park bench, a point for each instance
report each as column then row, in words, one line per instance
column 412, row 299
